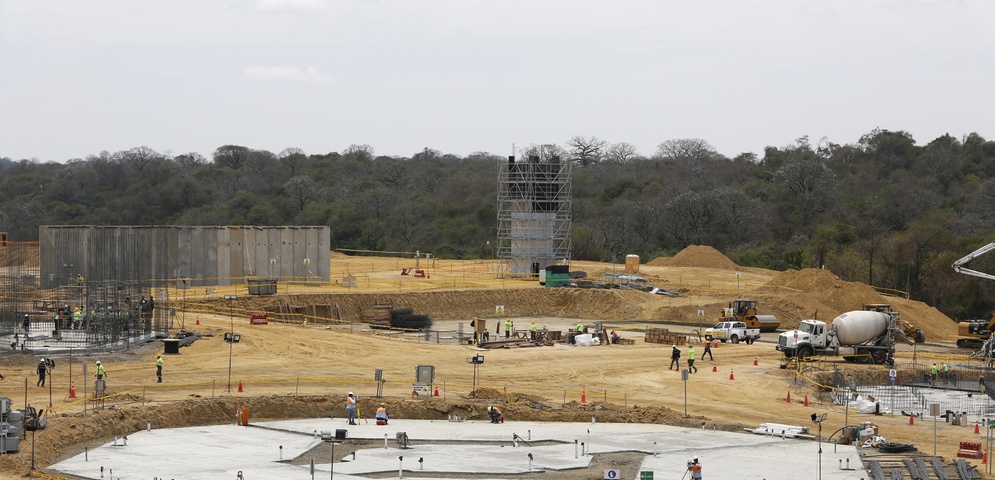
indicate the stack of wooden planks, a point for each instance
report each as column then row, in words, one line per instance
column 376, row 314
column 663, row 335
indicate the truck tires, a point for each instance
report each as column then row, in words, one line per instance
column 734, row 339
column 805, row 352
column 879, row 357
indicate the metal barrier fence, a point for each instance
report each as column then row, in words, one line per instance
column 909, row 387
column 87, row 399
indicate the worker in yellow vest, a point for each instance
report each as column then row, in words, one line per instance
column 507, row 328
column 532, row 331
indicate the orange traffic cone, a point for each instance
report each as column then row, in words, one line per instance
column 72, row 394
column 436, row 394
column 976, row 431
column 731, row 377
column 198, row 320
column 788, row 398
column 240, row 386
column 911, row 419
column 715, row 344
column 414, row 393
column 755, row 361
column 715, row 368
column 984, row 458
column 806, row 400
column 583, row 396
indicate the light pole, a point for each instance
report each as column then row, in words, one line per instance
column 231, row 338
column 476, row 360
column 818, row 419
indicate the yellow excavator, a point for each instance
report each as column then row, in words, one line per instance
column 974, row 333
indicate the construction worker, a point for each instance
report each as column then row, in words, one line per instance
column 158, row 366
column 495, row 414
column 507, row 328
column 694, row 466
column 77, row 319
column 707, row 351
column 27, row 326
column 932, row 374
column 382, row 415
column 532, row 331
column 101, row 373
column 675, row 358
column 580, row 327
column 42, row 371
column 691, row 367
column 945, row 372
column 350, row 406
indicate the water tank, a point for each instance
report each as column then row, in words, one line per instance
column 632, row 263
column 853, row 328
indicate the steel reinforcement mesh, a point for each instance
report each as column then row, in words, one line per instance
column 963, row 388
column 106, row 301
column 18, row 283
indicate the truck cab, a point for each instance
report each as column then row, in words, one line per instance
column 804, row 340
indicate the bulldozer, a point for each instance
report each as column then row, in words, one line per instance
column 746, row 311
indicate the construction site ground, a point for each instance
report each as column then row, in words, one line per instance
column 292, row 370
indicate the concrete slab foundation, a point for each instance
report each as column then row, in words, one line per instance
column 452, row 448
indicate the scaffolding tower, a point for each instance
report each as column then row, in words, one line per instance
column 533, row 214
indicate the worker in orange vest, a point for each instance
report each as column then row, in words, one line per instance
column 382, row 415
column 694, row 466
column 495, row 414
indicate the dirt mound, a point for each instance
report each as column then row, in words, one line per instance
column 658, row 262
column 814, row 293
column 699, row 256
column 457, row 305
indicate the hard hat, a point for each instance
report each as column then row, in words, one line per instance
column 488, row 408
column 696, row 459
column 98, row 362
column 350, row 394
column 675, row 345
column 158, row 355
column 382, row 404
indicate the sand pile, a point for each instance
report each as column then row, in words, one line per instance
column 818, row 293
column 701, row 256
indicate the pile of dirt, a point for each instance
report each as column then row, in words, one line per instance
column 458, row 305
column 814, row 293
column 698, row 256
column 658, row 262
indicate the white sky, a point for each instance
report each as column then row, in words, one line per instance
column 78, row 77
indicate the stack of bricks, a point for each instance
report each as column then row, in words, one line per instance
column 663, row 335
column 970, row 450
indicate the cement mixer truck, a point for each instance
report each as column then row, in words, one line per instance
column 862, row 336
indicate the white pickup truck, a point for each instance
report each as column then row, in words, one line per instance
column 734, row 332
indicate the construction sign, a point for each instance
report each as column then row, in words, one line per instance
column 499, row 310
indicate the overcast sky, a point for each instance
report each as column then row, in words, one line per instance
column 78, row 77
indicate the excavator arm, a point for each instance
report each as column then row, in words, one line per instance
column 959, row 264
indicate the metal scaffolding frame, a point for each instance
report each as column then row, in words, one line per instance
column 533, row 214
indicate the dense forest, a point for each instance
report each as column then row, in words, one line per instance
column 883, row 210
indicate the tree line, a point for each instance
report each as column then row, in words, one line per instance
column 882, row 210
